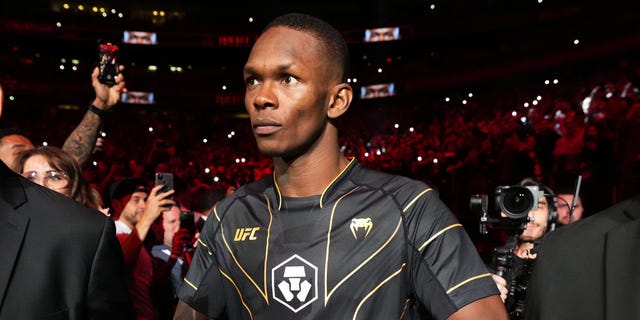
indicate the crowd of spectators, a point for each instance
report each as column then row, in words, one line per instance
column 582, row 128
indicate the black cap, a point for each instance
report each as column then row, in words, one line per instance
column 125, row 187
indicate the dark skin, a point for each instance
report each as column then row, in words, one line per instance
column 292, row 95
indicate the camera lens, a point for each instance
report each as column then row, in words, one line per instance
column 516, row 202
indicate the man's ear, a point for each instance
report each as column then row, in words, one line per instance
column 340, row 100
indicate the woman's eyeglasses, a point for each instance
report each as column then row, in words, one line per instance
column 51, row 179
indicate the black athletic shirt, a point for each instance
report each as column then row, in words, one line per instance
column 371, row 246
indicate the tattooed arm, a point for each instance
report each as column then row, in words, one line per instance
column 82, row 140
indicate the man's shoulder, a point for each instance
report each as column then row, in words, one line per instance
column 598, row 224
column 389, row 182
column 53, row 205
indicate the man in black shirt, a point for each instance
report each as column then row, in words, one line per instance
column 323, row 237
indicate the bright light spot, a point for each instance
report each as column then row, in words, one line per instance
column 205, row 140
column 61, row 67
column 464, row 101
column 419, row 158
column 224, row 87
column 152, row 67
column 470, row 95
column 534, row 102
column 539, row 98
column 523, row 119
column 103, row 134
column 435, row 160
column 447, row 99
column 526, row 104
column 150, row 129
column 366, row 154
column 95, row 163
column 411, row 129
column 586, row 105
column 396, row 126
column 576, row 41
column 513, row 113
column 207, row 170
column 250, row 19
column 44, row 143
column 216, row 179
column 432, row 7
column 379, row 70
column 546, row 82
column 555, row 81
column 58, row 24
column 237, row 160
column 243, row 160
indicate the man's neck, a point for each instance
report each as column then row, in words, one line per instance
column 305, row 177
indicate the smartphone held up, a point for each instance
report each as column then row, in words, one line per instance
column 108, row 62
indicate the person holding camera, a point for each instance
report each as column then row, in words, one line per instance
column 171, row 258
column 135, row 211
column 513, row 262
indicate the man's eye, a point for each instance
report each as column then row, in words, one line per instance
column 289, row 79
column 250, row 81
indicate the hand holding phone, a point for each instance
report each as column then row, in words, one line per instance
column 108, row 62
column 166, row 180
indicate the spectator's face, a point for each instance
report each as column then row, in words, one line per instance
column 11, row 146
column 538, row 221
column 170, row 224
column 287, row 87
column 38, row 170
column 134, row 209
column 564, row 206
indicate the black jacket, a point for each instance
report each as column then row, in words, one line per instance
column 59, row 260
column 589, row 269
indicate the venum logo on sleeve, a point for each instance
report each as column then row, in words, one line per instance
column 295, row 283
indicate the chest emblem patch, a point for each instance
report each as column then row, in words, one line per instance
column 361, row 226
column 294, row 283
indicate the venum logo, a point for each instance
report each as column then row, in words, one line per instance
column 361, row 226
column 294, row 283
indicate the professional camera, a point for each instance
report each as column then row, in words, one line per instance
column 516, row 201
column 511, row 207
column 510, row 212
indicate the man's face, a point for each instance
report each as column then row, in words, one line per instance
column 134, row 209
column 377, row 91
column 564, row 206
column 538, row 219
column 11, row 146
column 382, row 34
column 140, row 37
column 287, row 88
column 170, row 224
